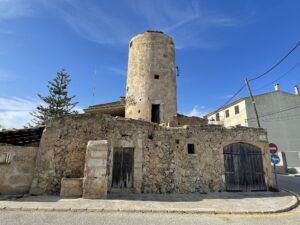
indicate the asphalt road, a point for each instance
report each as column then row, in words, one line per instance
column 80, row 218
column 289, row 182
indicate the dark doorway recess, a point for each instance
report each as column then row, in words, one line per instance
column 155, row 113
column 244, row 168
column 122, row 176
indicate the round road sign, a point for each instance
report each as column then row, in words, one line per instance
column 275, row 159
column 273, row 148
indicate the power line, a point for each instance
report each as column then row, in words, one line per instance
column 280, row 77
column 259, row 76
column 276, row 64
column 280, row 111
column 234, row 96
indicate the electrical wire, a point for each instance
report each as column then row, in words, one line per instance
column 280, row 77
column 273, row 113
column 276, row 64
column 239, row 91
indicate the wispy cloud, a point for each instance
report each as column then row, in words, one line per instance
column 91, row 21
column 112, row 70
column 226, row 96
column 14, row 111
column 5, row 75
column 187, row 22
column 11, row 9
column 197, row 111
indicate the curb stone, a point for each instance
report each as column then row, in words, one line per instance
column 291, row 205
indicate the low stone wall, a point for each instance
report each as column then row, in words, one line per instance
column 161, row 160
column 16, row 169
column 181, row 120
column 169, row 168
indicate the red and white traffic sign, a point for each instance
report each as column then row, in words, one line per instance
column 273, row 148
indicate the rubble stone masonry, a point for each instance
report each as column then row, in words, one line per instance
column 161, row 160
column 16, row 169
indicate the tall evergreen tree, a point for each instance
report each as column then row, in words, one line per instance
column 57, row 103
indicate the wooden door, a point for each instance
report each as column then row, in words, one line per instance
column 122, row 168
column 243, row 168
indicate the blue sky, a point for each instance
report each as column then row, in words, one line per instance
column 218, row 45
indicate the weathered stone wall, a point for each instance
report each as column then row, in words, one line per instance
column 16, row 169
column 181, row 120
column 63, row 147
column 161, row 161
column 169, row 168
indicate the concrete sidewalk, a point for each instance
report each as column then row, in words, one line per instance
column 237, row 203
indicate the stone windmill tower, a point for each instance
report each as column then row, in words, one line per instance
column 151, row 78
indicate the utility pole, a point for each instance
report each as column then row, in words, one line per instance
column 253, row 103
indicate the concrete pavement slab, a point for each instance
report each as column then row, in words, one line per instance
column 216, row 203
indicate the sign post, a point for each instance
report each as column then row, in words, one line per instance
column 274, row 158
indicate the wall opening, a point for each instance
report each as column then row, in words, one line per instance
column 155, row 113
column 191, row 149
column 156, row 76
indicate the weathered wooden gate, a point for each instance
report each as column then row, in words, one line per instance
column 244, row 168
column 122, row 176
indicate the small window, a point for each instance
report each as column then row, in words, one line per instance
column 177, row 141
column 191, row 149
column 217, row 117
column 156, row 76
column 237, row 109
column 227, row 113
column 130, row 45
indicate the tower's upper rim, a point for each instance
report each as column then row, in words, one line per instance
column 154, row 32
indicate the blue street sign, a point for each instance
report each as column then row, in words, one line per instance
column 275, row 159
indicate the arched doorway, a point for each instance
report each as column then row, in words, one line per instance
column 243, row 168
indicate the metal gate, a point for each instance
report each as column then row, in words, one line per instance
column 244, row 168
column 122, row 168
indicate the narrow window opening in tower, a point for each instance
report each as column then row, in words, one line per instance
column 130, row 45
column 155, row 113
column 191, row 149
column 156, row 76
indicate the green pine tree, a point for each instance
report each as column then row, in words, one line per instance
column 57, row 103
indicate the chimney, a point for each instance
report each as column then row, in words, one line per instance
column 277, row 87
column 296, row 90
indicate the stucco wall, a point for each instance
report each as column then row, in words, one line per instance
column 16, row 171
column 161, row 161
column 279, row 115
column 233, row 119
